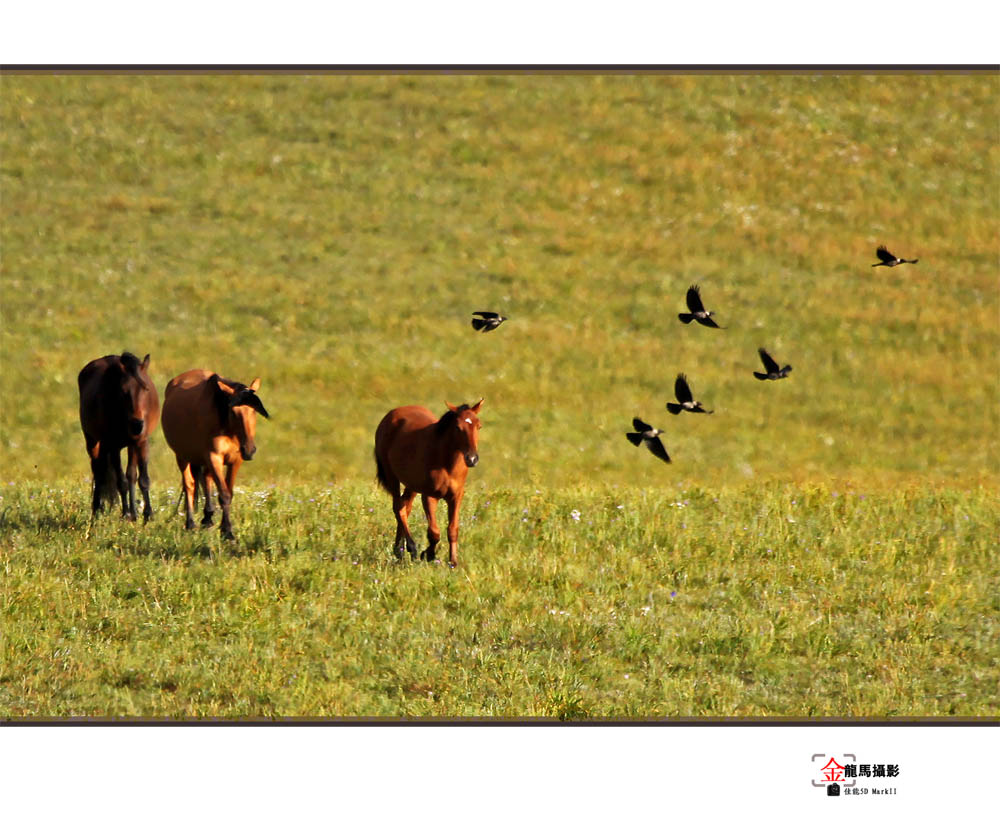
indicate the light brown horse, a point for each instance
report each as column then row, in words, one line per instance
column 210, row 423
column 119, row 408
column 430, row 457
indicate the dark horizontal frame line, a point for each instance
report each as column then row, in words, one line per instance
column 486, row 722
column 561, row 68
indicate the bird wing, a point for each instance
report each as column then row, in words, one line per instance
column 694, row 299
column 682, row 390
column 478, row 323
column 708, row 322
column 770, row 364
column 885, row 255
column 634, row 437
column 657, row 448
column 487, row 315
column 640, row 426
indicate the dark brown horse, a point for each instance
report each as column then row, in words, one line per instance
column 430, row 457
column 211, row 424
column 119, row 408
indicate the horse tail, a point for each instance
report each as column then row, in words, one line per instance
column 104, row 480
column 382, row 476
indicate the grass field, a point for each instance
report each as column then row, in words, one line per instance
column 830, row 538
column 769, row 600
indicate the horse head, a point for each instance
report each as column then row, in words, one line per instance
column 243, row 408
column 466, row 430
column 138, row 394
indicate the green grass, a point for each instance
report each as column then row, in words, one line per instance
column 771, row 600
column 333, row 234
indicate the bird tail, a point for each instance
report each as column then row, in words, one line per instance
column 478, row 323
column 634, row 437
column 760, row 376
column 786, row 370
column 879, row 264
column 675, row 408
column 911, row 261
column 685, row 318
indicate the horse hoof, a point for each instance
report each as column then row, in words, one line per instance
column 228, row 536
column 189, row 524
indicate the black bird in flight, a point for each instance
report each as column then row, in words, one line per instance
column 685, row 398
column 774, row 372
column 646, row 434
column 889, row 259
column 697, row 308
column 487, row 321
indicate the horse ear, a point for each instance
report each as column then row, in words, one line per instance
column 478, row 406
column 452, row 408
column 227, row 389
column 145, row 361
column 255, row 385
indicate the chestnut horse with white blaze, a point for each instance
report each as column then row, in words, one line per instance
column 210, row 423
column 430, row 457
column 119, row 408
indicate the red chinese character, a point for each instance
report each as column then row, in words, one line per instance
column 833, row 771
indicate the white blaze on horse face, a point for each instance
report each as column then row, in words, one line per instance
column 468, row 421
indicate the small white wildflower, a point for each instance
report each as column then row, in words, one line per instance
column 575, row 514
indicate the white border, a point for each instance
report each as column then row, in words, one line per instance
column 500, row 774
column 253, row 32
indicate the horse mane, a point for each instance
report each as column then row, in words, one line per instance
column 244, row 395
column 130, row 363
column 448, row 418
column 221, row 398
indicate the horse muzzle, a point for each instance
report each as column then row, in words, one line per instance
column 471, row 459
column 247, row 451
column 136, row 427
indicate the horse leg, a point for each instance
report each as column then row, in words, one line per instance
column 231, row 470
column 131, row 475
column 188, row 481
column 208, row 513
column 99, row 469
column 225, row 495
column 454, row 501
column 433, row 533
column 397, row 542
column 147, row 507
column 401, row 506
column 115, row 459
